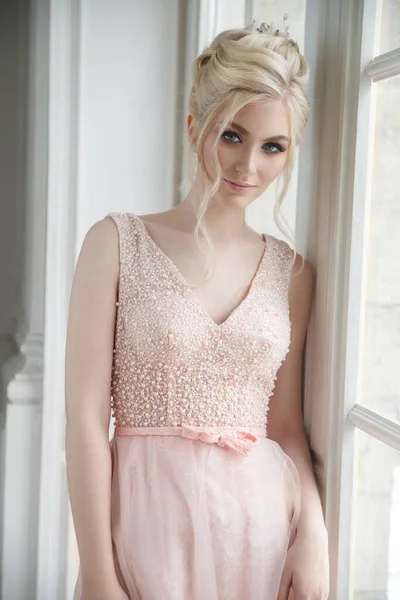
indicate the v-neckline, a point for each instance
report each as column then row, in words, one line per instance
column 186, row 284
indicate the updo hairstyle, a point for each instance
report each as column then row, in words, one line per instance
column 240, row 67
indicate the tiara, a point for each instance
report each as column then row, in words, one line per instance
column 270, row 29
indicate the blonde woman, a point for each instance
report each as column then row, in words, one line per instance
column 191, row 326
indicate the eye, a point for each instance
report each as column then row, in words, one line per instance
column 228, row 137
column 276, row 148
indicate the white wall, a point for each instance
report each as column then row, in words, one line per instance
column 21, row 305
column 129, row 107
column 13, row 81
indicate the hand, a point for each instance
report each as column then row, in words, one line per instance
column 306, row 570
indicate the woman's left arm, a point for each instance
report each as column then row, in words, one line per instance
column 307, row 566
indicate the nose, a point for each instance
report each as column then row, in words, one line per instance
column 246, row 161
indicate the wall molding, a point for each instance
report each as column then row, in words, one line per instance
column 384, row 66
column 26, row 387
column 63, row 60
column 22, row 354
column 200, row 23
column 379, row 427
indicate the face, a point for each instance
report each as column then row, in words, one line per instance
column 252, row 151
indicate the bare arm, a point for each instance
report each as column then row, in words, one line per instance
column 89, row 351
column 285, row 419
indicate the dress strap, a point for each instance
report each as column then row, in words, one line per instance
column 128, row 244
column 283, row 257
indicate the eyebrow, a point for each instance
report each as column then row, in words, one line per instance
column 273, row 138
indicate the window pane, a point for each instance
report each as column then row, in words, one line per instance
column 376, row 513
column 390, row 30
column 380, row 381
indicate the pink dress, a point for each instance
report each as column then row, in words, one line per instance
column 204, row 505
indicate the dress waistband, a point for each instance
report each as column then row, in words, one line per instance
column 241, row 439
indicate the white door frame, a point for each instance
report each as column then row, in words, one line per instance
column 60, row 258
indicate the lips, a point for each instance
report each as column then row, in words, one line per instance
column 240, row 184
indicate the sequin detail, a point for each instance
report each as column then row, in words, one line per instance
column 173, row 365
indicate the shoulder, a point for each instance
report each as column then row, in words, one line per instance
column 107, row 233
column 110, row 237
column 300, row 275
column 301, row 290
column 301, row 272
column 120, row 218
column 101, row 237
column 99, row 253
column 282, row 253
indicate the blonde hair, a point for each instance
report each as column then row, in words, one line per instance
column 240, row 67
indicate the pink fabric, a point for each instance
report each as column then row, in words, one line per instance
column 239, row 440
column 204, row 506
column 194, row 521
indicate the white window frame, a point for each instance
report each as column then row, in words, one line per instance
column 346, row 69
column 63, row 61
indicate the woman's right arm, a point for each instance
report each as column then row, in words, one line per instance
column 88, row 363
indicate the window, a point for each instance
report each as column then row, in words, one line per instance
column 380, row 381
column 376, row 533
column 390, row 26
column 363, row 490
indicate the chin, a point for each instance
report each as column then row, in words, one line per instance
column 234, row 200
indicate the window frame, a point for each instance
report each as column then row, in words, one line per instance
column 347, row 67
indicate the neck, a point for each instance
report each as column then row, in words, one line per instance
column 223, row 222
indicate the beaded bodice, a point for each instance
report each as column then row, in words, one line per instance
column 172, row 364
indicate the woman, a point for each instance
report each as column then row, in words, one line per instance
column 201, row 496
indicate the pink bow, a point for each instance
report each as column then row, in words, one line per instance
column 241, row 441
